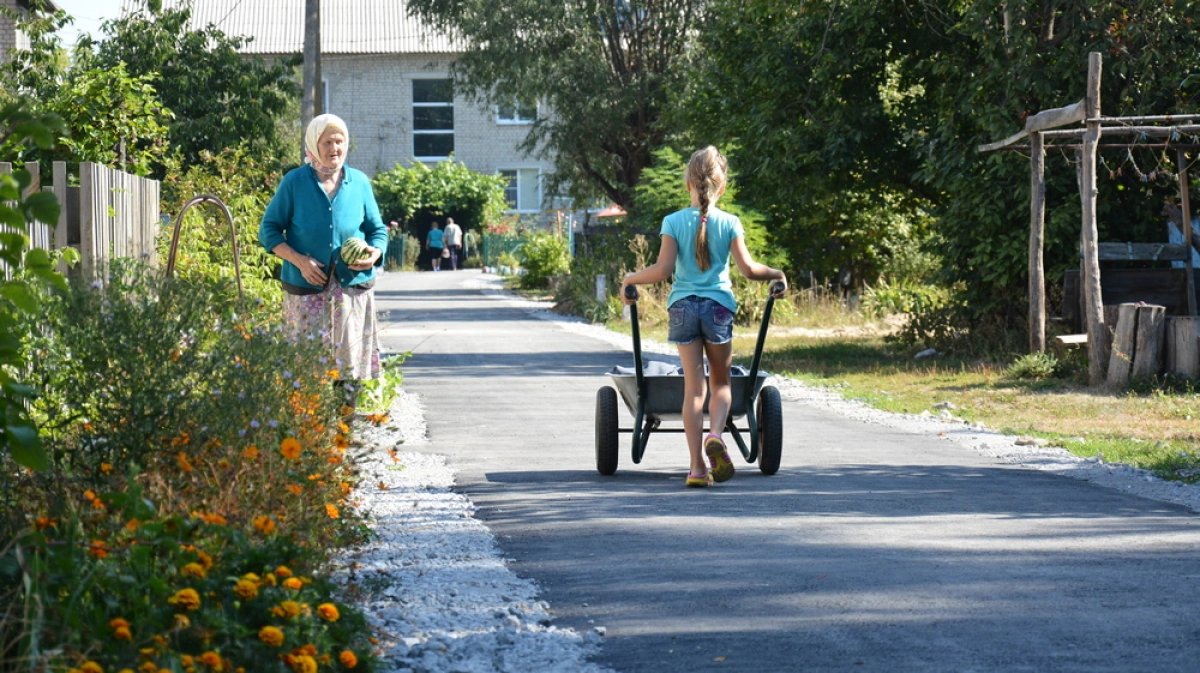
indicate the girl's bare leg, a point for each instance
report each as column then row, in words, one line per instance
column 691, row 357
column 720, row 359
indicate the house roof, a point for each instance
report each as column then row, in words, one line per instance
column 347, row 26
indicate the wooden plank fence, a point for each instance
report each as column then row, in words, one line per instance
column 110, row 214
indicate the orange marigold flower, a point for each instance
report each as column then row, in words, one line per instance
column 271, row 636
column 91, row 667
column 304, row 664
column 283, row 571
column 188, row 599
column 122, row 633
column 89, row 494
column 105, row 468
column 205, row 560
column 252, row 577
column 307, row 650
column 250, row 453
column 223, row 464
column 348, row 659
column 125, row 670
column 148, row 667
column 270, row 579
column 290, row 448
column 186, row 660
column 332, row 511
column 184, row 465
column 264, row 524
column 182, row 622
column 245, row 589
column 194, row 570
column 293, row 583
column 98, row 549
column 289, row 609
column 328, row 612
column 296, row 489
column 118, row 623
column 159, row 640
column 132, row 525
column 211, row 519
column 44, row 522
column 212, row 660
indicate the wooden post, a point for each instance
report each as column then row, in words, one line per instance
column 310, row 97
column 59, row 173
column 1037, row 227
column 1123, row 344
column 1148, row 349
column 1094, row 304
column 1185, row 206
column 1183, row 346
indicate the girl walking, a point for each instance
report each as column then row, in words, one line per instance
column 697, row 243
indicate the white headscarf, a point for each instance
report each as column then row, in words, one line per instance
column 312, row 137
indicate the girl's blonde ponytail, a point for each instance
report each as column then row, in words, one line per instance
column 706, row 174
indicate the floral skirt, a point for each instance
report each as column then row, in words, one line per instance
column 344, row 319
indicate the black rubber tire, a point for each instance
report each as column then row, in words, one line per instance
column 770, row 430
column 606, row 431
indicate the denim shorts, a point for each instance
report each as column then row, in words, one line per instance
column 699, row 317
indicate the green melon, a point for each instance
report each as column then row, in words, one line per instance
column 354, row 250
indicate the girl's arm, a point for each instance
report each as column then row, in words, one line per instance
column 656, row 272
column 750, row 268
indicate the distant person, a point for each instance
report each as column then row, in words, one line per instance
column 696, row 246
column 315, row 209
column 436, row 245
column 453, row 240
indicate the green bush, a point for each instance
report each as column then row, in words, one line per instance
column 905, row 297
column 1035, row 366
column 205, row 252
column 543, row 255
column 178, row 431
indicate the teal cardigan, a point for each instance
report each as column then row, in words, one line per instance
column 302, row 215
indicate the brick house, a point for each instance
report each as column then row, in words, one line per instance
column 10, row 36
column 387, row 76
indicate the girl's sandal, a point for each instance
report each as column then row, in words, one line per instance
column 699, row 481
column 718, row 456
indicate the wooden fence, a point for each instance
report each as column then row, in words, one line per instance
column 110, row 214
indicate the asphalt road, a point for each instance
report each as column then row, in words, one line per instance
column 870, row 550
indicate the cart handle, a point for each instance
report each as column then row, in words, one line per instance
column 777, row 289
column 631, row 293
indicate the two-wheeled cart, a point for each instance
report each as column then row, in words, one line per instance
column 653, row 398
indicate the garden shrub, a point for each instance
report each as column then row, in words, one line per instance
column 246, row 186
column 543, row 255
column 190, row 445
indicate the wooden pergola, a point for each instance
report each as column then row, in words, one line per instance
column 1042, row 131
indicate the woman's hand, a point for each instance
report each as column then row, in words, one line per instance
column 311, row 269
column 368, row 261
column 779, row 286
column 623, row 292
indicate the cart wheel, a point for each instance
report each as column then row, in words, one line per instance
column 770, row 430
column 606, row 431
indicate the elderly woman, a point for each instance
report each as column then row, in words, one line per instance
column 317, row 207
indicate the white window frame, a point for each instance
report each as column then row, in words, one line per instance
column 516, row 119
column 415, row 105
column 537, row 208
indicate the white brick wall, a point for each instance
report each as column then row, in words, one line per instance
column 373, row 94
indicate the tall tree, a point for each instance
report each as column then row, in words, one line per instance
column 220, row 98
column 603, row 72
column 848, row 114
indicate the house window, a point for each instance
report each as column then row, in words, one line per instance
column 433, row 118
column 524, row 190
column 516, row 114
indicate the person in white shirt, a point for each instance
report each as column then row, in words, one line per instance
column 454, row 239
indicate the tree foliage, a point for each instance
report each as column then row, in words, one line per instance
column 412, row 197
column 220, row 99
column 28, row 269
column 856, row 120
column 605, row 71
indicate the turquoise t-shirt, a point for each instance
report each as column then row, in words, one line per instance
column 714, row 283
column 435, row 238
